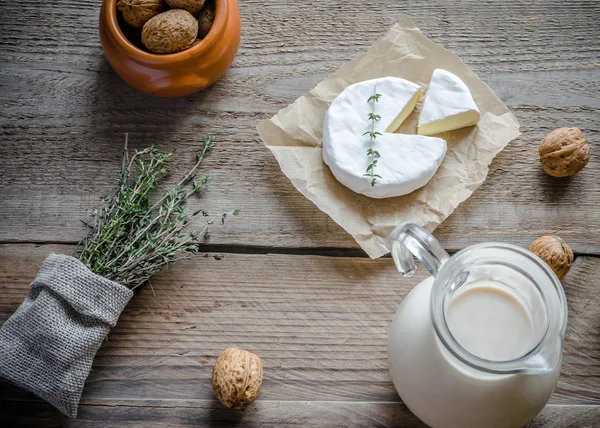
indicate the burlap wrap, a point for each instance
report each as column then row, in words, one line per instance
column 47, row 346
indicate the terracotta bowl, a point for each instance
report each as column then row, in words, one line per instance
column 171, row 75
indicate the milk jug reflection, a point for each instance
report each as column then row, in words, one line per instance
column 478, row 344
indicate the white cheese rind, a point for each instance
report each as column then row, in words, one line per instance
column 448, row 105
column 407, row 162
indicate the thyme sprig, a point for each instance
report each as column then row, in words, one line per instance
column 131, row 239
column 372, row 153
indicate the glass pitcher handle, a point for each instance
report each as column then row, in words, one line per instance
column 408, row 240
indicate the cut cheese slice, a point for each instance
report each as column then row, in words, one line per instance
column 408, row 108
column 406, row 163
column 448, row 105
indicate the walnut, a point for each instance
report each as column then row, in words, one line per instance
column 237, row 378
column 205, row 22
column 555, row 252
column 564, row 152
column 172, row 31
column 192, row 6
column 137, row 12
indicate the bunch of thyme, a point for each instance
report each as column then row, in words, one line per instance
column 131, row 239
column 371, row 153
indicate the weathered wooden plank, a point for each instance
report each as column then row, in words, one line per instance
column 506, row 34
column 262, row 413
column 64, row 115
column 319, row 324
column 583, row 295
column 45, row 200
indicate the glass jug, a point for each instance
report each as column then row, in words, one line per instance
column 478, row 344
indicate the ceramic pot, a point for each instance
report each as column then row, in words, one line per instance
column 171, row 75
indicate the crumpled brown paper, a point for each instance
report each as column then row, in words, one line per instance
column 294, row 136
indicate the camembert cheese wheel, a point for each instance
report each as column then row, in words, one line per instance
column 448, row 105
column 406, row 162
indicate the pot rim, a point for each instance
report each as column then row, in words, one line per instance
column 218, row 27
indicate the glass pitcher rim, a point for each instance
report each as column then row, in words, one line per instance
column 512, row 366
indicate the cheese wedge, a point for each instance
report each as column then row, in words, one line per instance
column 448, row 105
column 406, row 163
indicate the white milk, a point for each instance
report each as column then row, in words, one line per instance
column 488, row 321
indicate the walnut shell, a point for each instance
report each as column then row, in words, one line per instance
column 137, row 12
column 237, row 378
column 205, row 22
column 555, row 252
column 172, row 31
column 564, row 152
column 192, row 6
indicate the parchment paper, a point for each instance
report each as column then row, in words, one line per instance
column 294, row 136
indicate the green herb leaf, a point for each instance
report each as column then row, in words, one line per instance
column 131, row 239
column 374, row 97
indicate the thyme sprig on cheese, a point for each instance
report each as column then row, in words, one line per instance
column 372, row 153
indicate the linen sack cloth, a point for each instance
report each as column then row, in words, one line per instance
column 47, row 346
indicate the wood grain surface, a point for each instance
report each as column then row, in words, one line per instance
column 318, row 323
column 278, row 414
column 291, row 284
column 64, row 115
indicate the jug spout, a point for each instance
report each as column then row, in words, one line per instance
column 545, row 360
column 547, row 355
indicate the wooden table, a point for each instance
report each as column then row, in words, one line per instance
column 283, row 280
